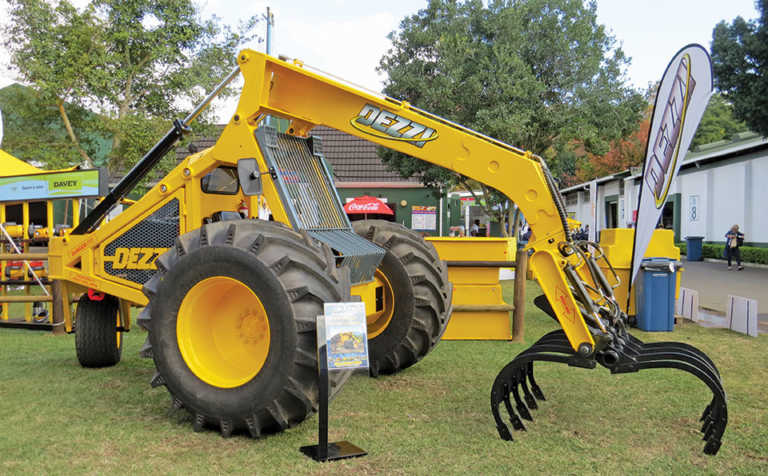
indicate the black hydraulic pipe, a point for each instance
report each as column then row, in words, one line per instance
column 148, row 162
column 138, row 172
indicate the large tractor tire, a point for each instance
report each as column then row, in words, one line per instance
column 97, row 341
column 417, row 297
column 231, row 321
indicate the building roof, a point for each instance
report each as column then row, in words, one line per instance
column 197, row 144
column 352, row 159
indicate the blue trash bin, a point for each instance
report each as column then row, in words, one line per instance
column 656, row 294
column 694, row 246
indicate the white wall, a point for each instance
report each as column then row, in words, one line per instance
column 693, row 204
column 756, row 226
column 727, row 194
column 581, row 209
column 726, row 200
column 605, row 190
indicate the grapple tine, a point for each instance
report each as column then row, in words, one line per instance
column 695, row 362
column 501, row 427
column 517, row 423
column 682, row 348
column 692, row 360
column 521, row 408
column 504, row 433
column 499, row 394
column 716, row 423
column 676, row 355
column 682, row 345
column 640, row 347
column 529, row 399
column 534, row 386
column 708, row 428
column 552, row 347
column 687, row 358
column 712, row 447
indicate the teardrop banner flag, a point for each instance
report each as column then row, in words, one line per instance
column 682, row 97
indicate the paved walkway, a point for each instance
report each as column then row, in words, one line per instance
column 714, row 282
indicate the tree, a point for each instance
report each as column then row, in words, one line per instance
column 135, row 63
column 534, row 73
column 33, row 130
column 740, row 66
column 717, row 123
column 623, row 154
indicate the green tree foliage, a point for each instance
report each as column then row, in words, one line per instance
column 538, row 74
column 740, row 65
column 136, row 64
column 717, row 123
column 33, row 130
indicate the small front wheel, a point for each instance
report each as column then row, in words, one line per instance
column 97, row 340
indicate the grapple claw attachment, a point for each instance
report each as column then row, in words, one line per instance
column 625, row 354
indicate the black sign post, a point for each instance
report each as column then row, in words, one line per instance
column 323, row 451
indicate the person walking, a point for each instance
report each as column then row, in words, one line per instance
column 734, row 239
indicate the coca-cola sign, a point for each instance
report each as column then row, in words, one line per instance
column 363, row 207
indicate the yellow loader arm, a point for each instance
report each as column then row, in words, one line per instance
column 290, row 90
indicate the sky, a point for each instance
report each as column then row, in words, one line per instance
column 348, row 37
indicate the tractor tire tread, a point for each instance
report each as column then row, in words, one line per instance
column 302, row 267
column 430, row 304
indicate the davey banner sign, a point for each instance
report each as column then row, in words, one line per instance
column 680, row 102
column 55, row 185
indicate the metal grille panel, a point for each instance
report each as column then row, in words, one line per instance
column 310, row 199
column 361, row 256
column 158, row 230
column 303, row 175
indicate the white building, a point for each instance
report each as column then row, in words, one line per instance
column 719, row 185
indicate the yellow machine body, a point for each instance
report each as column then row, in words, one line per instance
column 479, row 309
column 289, row 90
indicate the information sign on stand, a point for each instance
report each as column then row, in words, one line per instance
column 342, row 345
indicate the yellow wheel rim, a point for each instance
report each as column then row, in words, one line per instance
column 385, row 305
column 223, row 332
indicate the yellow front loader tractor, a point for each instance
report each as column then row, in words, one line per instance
column 231, row 300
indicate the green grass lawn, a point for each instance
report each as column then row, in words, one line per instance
column 433, row 418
